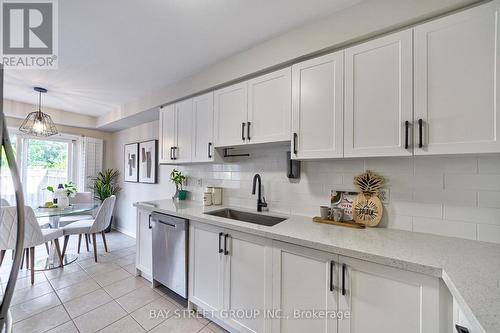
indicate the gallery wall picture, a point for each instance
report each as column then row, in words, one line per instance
column 131, row 163
column 148, row 161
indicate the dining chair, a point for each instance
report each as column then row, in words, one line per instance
column 80, row 198
column 4, row 202
column 33, row 235
column 91, row 227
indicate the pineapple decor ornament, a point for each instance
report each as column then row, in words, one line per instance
column 367, row 207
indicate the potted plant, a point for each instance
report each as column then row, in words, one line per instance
column 106, row 185
column 178, row 179
column 61, row 194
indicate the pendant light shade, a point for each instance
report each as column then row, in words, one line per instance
column 38, row 123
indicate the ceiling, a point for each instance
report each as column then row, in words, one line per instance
column 114, row 51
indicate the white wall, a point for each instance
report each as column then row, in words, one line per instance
column 451, row 196
column 347, row 26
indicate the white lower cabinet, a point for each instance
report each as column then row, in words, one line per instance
column 144, row 248
column 231, row 275
column 304, row 280
column 292, row 288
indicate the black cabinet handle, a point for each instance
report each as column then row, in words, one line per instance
column 209, row 150
column 332, row 265
column 343, row 279
column 220, row 241
column 243, row 131
column 149, row 223
column 171, row 156
column 174, row 148
column 226, row 252
column 420, row 125
column 295, row 143
column 407, row 124
column 248, row 130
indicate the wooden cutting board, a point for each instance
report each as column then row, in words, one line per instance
column 347, row 224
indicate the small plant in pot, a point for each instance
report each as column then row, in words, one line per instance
column 106, row 185
column 178, row 179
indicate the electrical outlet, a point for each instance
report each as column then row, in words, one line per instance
column 199, row 182
column 384, row 195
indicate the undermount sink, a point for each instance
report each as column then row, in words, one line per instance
column 232, row 214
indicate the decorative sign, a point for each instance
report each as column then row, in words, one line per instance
column 367, row 207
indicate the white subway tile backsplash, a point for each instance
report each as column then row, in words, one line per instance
column 444, row 227
column 455, row 196
column 472, row 182
column 488, row 233
column 488, row 199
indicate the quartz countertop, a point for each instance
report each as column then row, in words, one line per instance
column 470, row 269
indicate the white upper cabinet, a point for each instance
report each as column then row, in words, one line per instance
column 269, row 107
column 230, row 112
column 167, row 133
column 456, row 75
column 203, row 128
column 378, row 97
column 184, row 115
column 317, row 107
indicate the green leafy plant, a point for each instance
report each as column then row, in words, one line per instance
column 69, row 187
column 177, row 178
column 106, row 184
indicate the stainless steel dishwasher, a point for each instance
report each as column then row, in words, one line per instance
column 170, row 252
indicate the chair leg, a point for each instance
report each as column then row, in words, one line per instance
column 79, row 242
column 58, row 250
column 104, row 241
column 22, row 259
column 87, row 242
column 47, row 248
column 66, row 239
column 32, row 264
column 27, row 258
column 95, row 247
column 2, row 254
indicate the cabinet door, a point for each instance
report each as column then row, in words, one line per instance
column 231, row 115
column 456, row 94
column 167, row 133
column 383, row 299
column 270, row 107
column 378, row 92
column 248, row 276
column 317, row 107
column 203, row 128
column 144, row 247
column 304, row 280
column 206, row 270
column 184, row 115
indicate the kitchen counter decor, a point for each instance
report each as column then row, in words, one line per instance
column 367, row 207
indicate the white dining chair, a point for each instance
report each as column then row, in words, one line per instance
column 92, row 227
column 80, row 198
column 4, row 202
column 33, row 235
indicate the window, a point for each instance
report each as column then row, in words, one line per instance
column 46, row 162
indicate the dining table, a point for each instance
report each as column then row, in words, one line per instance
column 50, row 218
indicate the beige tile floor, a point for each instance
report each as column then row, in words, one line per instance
column 96, row 297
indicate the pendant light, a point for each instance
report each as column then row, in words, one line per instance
column 38, row 123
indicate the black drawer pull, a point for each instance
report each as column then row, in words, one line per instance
column 243, row 131
column 343, row 279
column 420, row 125
column 149, row 223
column 248, row 130
column 226, row 252
column 295, row 143
column 407, row 125
column 220, row 242
column 332, row 265
column 209, row 150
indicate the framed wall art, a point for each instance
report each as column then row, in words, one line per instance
column 131, row 163
column 148, row 161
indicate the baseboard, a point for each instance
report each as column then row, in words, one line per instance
column 123, row 231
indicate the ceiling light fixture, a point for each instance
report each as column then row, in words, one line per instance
column 38, row 123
